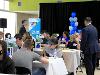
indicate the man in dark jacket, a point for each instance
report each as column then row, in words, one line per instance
column 6, row 63
column 89, row 46
column 23, row 29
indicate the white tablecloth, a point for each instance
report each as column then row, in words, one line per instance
column 78, row 56
column 72, row 59
column 56, row 66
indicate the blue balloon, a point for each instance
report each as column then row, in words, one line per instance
column 72, row 24
column 72, row 32
column 73, row 14
column 75, row 28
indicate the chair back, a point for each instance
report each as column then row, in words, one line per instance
column 10, row 51
column 22, row 70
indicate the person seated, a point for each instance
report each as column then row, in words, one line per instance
column 7, row 36
column 7, row 65
column 25, row 36
column 11, row 42
column 24, row 57
column 19, row 40
column 55, row 35
column 44, row 39
column 74, row 42
column 28, row 36
column 52, row 49
column 64, row 39
column 1, row 35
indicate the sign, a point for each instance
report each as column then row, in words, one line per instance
column 34, row 28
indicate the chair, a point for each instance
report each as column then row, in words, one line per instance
column 39, row 71
column 10, row 51
column 81, row 62
column 22, row 70
column 97, row 62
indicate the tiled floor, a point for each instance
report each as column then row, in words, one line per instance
column 97, row 72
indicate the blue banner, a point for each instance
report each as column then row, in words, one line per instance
column 35, row 28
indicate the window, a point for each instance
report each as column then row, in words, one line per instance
column 4, row 4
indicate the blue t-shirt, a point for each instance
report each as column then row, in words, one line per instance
column 66, row 39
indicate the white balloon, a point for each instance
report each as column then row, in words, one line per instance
column 71, row 19
column 75, row 19
column 76, row 23
column 70, row 28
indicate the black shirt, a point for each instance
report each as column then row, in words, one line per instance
column 7, row 66
column 22, row 30
column 72, row 45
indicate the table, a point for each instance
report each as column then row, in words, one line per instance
column 56, row 66
column 72, row 59
column 78, row 53
column 38, row 50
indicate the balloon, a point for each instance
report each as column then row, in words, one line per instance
column 70, row 28
column 76, row 23
column 72, row 24
column 73, row 14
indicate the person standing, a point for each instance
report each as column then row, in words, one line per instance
column 23, row 27
column 89, row 45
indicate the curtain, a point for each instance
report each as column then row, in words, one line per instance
column 53, row 17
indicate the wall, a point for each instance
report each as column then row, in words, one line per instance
column 11, row 22
column 20, row 17
column 27, row 4
column 75, row 0
column 4, row 4
column 32, row 5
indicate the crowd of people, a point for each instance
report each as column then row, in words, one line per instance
column 23, row 45
column 24, row 55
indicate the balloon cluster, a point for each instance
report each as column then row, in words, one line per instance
column 73, row 23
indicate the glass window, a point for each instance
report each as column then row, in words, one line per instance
column 4, row 4
column 1, row 4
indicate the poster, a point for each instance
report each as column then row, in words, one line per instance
column 34, row 29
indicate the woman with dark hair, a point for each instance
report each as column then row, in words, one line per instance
column 64, row 38
column 8, row 35
column 6, row 64
column 19, row 40
column 52, row 49
column 9, row 40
